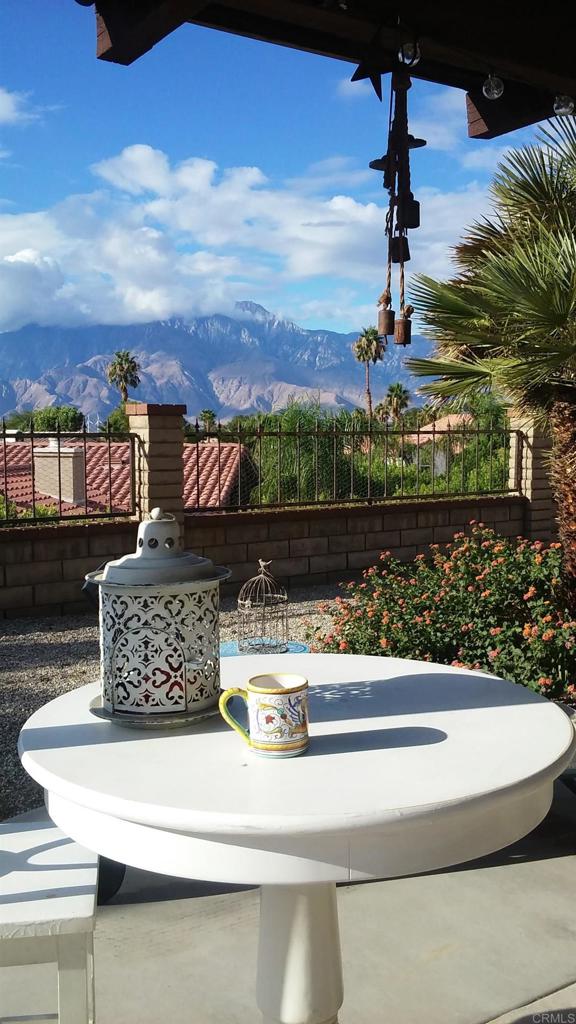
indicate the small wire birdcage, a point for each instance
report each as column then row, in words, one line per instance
column 262, row 614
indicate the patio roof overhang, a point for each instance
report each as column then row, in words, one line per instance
column 527, row 46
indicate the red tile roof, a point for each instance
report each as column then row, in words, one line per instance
column 211, row 475
column 456, row 421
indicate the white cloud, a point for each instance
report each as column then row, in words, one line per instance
column 353, row 90
column 190, row 239
column 440, row 118
column 16, row 108
column 485, row 158
column 335, row 172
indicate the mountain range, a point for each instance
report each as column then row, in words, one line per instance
column 250, row 362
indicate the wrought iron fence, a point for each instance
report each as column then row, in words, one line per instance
column 65, row 475
column 264, row 468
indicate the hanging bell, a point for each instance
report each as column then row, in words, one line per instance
column 384, row 164
column 399, row 249
column 385, row 323
column 407, row 211
column 402, row 331
column 414, row 143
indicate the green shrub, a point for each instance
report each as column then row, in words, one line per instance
column 481, row 602
column 15, row 512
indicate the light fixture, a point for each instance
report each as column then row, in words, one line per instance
column 493, row 87
column 563, row 105
column 409, row 53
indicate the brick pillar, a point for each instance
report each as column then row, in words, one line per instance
column 530, row 475
column 159, row 473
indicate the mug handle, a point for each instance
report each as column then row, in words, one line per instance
column 231, row 721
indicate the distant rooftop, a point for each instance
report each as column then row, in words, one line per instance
column 211, row 475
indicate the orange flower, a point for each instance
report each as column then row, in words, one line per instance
column 545, row 681
column 494, row 654
column 538, row 559
column 547, row 618
column 485, row 593
column 384, row 643
column 549, row 634
column 529, row 593
column 343, row 646
column 418, row 618
column 527, row 631
column 495, row 630
column 370, row 613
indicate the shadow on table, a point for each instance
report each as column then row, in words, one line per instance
column 373, row 739
column 418, row 693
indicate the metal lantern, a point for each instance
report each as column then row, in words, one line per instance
column 262, row 614
column 159, row 642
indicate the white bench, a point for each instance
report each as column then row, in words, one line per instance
column 47, row 909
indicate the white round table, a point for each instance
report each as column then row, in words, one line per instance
column 411, row 767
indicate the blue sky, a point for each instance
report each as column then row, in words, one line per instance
column 213, row 169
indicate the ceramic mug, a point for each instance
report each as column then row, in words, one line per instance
column 277, row 714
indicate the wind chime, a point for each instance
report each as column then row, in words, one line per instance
column 403, row 210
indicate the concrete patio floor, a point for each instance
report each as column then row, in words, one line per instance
column 494, row 940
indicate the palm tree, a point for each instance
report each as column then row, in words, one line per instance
column 208, row 420
column 123, row 372
column 368, row 349
column 506, row 323
column 397, row 401
column 382, row 411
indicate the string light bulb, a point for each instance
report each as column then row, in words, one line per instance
column 409, row 53
column 493, row 87
column 563, row 105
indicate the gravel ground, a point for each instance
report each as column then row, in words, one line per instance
column 41, row 658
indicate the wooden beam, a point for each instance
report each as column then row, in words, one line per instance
column 519, row 107
column 344, row 36
column 125, row 30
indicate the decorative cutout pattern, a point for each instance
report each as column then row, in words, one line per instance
column 159, row 650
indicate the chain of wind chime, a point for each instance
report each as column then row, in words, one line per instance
column 403, row 210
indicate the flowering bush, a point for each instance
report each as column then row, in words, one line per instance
column 481, row 602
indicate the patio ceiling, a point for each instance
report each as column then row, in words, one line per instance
column 529, row 48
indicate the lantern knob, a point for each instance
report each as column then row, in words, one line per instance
column 158, row 513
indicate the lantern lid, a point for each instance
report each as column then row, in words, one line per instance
column 159, row 558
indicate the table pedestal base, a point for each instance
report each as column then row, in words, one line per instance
column 299, row 966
